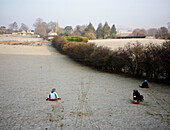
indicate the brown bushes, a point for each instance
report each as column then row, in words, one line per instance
column 150, row 61
column 14, row 42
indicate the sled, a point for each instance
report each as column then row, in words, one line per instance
column 142, row 87
column 53, row 99
column 136, row 102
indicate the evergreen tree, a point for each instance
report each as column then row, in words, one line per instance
column 113, row 30
column 90, row 32
column 90, row 28
column 106, row 30
column 77, row 32
column 99, row 31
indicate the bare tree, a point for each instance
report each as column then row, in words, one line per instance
column 152, row 31
column 168, row 26
column 23, row 27
column 139, row 32
column 13, row 26
column 41, row 31
column 40, row 27
column 68, row 30
column 162, row 33
column 51, row 26
column 38, row 22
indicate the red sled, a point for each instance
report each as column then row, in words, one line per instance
column 136, row 102
column 53, row 99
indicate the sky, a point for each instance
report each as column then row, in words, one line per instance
column 123, row 13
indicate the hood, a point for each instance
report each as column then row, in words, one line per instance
column 52, row 91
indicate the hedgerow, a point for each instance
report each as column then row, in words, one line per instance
column 151, row 61
column 125, row 37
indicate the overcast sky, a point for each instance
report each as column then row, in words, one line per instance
column 122, row 13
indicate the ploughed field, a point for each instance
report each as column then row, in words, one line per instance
column 89, row 99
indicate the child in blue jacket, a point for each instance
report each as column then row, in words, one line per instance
column 53, row 95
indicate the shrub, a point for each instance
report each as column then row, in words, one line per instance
column 77, row 39
column 90, row 35
column 58, row 42
column 85, row 39
column 99, row 56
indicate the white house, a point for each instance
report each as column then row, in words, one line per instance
column 30, row 32
column 51, row 35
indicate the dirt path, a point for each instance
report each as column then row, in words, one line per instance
column 89, row 99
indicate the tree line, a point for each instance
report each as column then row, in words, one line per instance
column 161, row 33
column 42, row 28
column 13, row 27
column 103, row 31
column 151, row 61
column 88, row 31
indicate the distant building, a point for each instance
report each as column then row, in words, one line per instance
column 14, row 33
column 124, row 32
column 51, row 35
column 30, row 32
column 23, row 33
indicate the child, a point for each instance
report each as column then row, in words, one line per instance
column 144, row 84
column 137, row 96
column 53, row 95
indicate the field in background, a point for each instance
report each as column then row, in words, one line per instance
column 116, row 43
column 19, row 38
column 22, row 40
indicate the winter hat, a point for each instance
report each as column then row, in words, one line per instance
column 54, row 89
